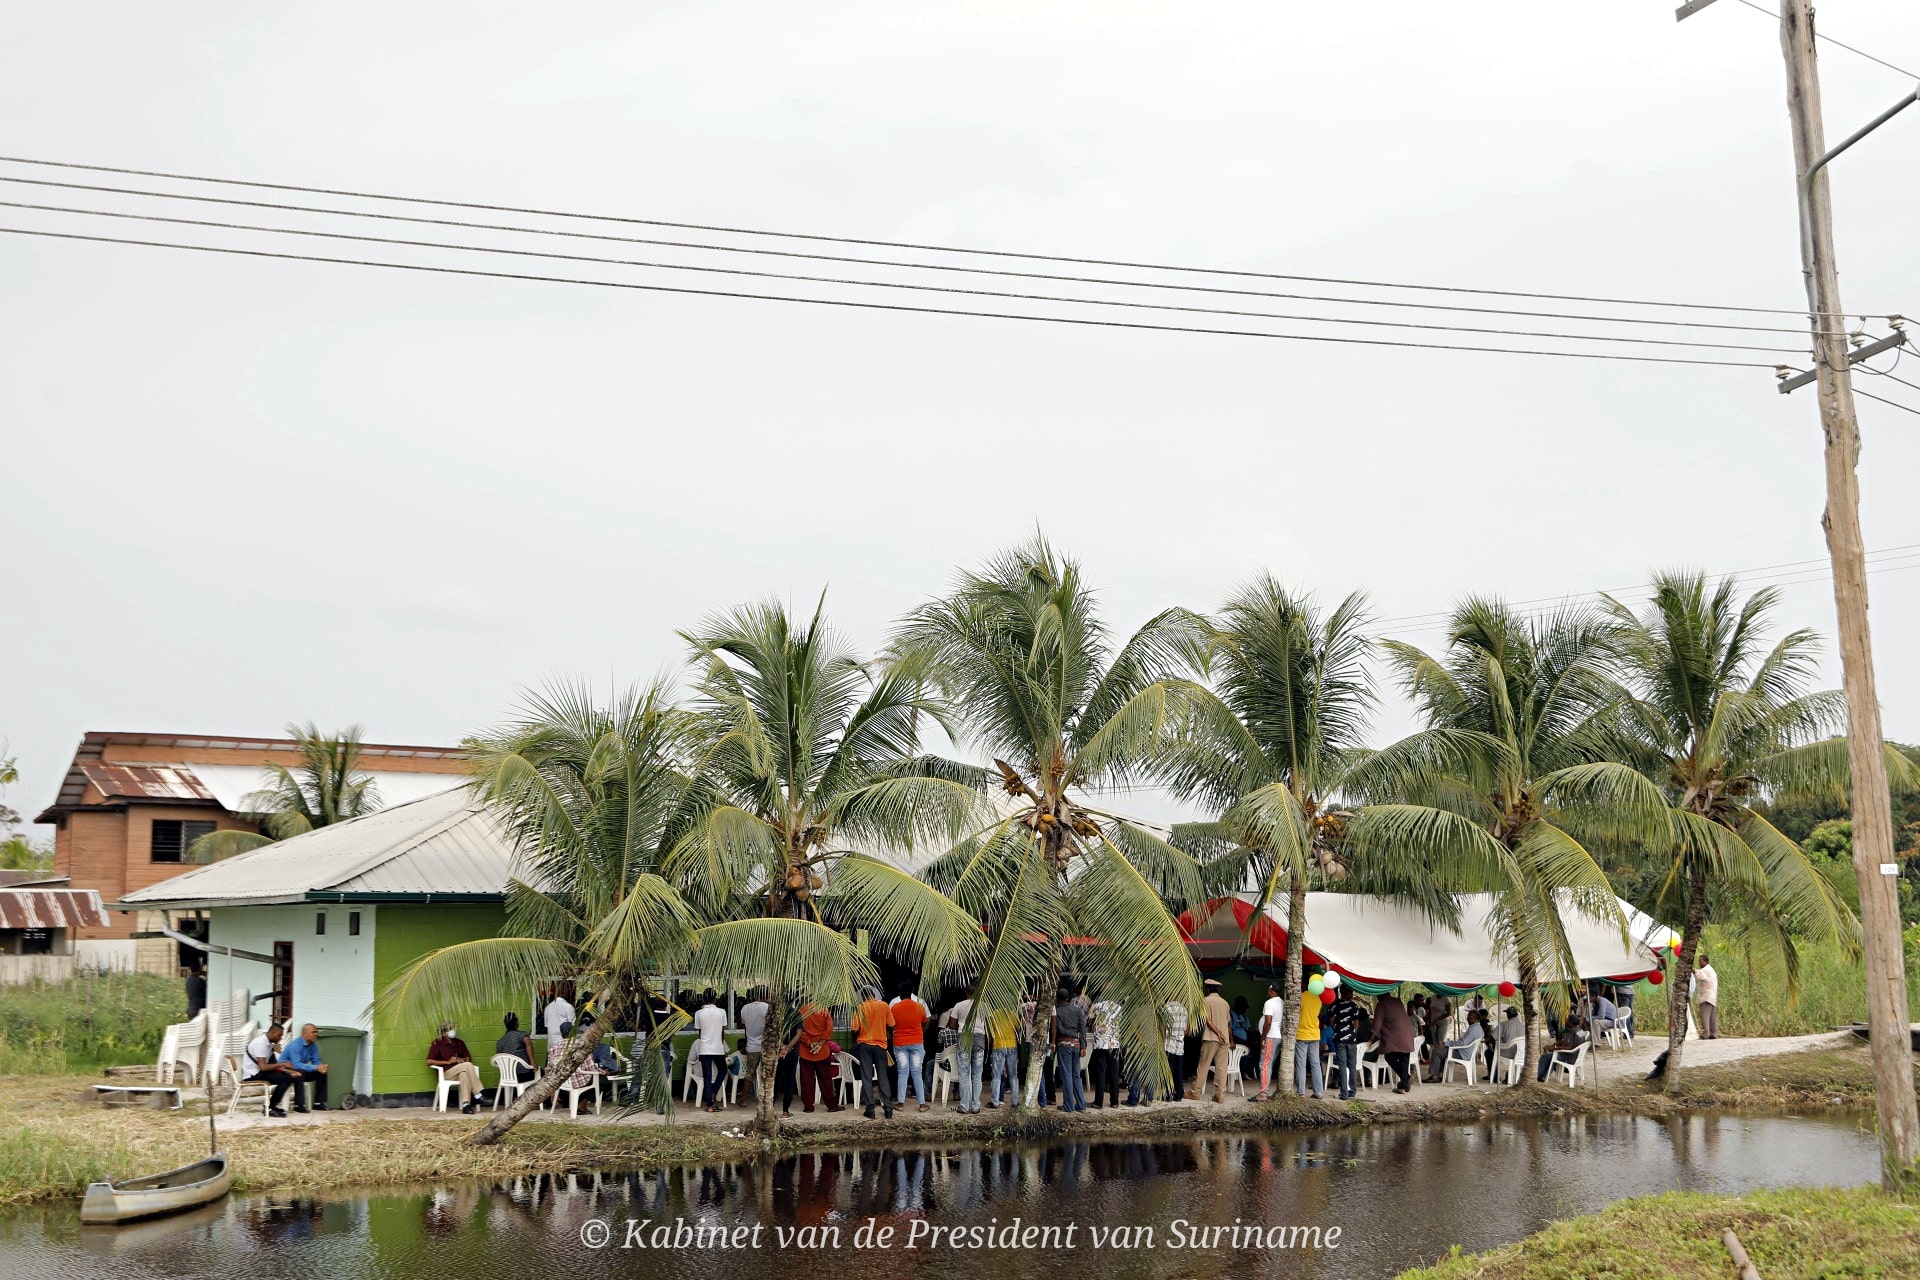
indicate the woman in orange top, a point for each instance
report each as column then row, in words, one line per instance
column 910, row 1049
column 816, row 1057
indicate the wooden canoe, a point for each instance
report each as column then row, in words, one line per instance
column 136, row 1198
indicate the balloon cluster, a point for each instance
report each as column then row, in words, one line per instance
column 1326, row 987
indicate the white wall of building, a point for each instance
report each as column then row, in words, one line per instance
column 332, row 973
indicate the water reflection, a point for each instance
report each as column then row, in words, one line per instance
column 1400, row 1193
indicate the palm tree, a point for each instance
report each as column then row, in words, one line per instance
column 1723, row 722
column 808, row 753
column 327, row 786
column 1506, row 787
column 593, row 796
column 1022, row 654
column 1274, row 755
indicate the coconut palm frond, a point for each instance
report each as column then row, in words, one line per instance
column 907, row 920
column 483, row 973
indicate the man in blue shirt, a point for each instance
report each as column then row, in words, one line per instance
column 303, row 1055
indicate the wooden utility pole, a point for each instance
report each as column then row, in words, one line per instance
column 1873, row 857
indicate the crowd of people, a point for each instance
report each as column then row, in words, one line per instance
column 896, row 1049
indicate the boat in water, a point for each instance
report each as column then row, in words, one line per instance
column 201, row 1182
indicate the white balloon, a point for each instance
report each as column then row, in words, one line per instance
column 1333, row 979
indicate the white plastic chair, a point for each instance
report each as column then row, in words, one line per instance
column 442, row 1087
column 570, row 1093
column 1464, row 1056
column 1372, row 1074
column 1236, row 1083
column 1414, row 1073
column 945, row 1083
column 1620, row 1034
column 512, row 1083
column 849, row 1067
column 1510, row 1060
column 1571, row 1067
column 691, row 1083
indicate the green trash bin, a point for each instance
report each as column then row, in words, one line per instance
column 340, row 1050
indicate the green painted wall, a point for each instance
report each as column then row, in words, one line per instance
column 406, row 932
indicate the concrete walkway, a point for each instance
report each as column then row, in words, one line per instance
column 1625, row 1064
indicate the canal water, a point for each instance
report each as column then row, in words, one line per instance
column 1244, row 1206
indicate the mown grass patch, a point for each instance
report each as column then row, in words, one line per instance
column 1792, row 1234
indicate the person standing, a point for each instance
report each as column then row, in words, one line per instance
column 969, row 1051
column 1343, row 1015
column 1706, row 994
column 1307, row 1068
column 816, row 1048
column 558, row 1013
column 910, row 1049
column 710, row 1046
column 1216, row 1039
column 1394, row 1025
column 1271, row 1015
column 753, row 1034
column 196, row 976
column 1005, row 1033
column 1173, row 1018
column 873, row 1047
column 1104, row 1068
column 1069, row 1038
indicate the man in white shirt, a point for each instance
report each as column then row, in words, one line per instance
column 753, row 1026
column 1272, row 1013
column 710, row 1046
column 559, row 1013
column 263, row 1059
column 1706, row 993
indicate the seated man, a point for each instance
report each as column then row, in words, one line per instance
column 262, row 1061
column 1602, row 1009
column 1513, row 1029
column 1468, row 1040
column 449, row 1053
column 303, row 1055
column 1565, row 1046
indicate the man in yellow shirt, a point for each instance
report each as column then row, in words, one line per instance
column 1215, row 1041
column 1306, row 1048
column 1004, row 1028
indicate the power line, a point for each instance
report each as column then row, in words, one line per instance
column 886, row 284
column 893, row 244
column 1895, row 404
column 1757, row 8
column 881, row 306
column 893, row 262
column 1758, row 573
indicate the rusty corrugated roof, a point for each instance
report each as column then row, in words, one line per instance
column 51, row 909
column 145, row 781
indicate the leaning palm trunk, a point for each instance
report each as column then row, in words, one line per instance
column 1683, row 973
column 1291, row 988
column 772, row 1049
column 542, row 1089
column 1037, row 1063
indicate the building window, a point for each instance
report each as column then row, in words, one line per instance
column 282, row 982
column 319, row 924
column 172, row 838
column 353, row 924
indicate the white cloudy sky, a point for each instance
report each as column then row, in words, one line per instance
column 235, row 492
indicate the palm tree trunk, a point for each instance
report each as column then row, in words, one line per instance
column 1683, row 971
column 1529, row 1014
column 1290, row 988
column 542, row 1089
column 772, row 1044
column 1037, row 1061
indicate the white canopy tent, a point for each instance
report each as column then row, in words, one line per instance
column 1377, row 940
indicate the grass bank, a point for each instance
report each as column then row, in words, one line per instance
column 54, row 1138
column 87, row 1022
column 1797, row 1234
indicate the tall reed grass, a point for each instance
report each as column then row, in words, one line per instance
column 88, row 1022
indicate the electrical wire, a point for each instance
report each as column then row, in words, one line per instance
column 898, row 244
column 887, row 284
column 1904, row 408
column 878, row 306
column 896, row 262
column 1819, row 35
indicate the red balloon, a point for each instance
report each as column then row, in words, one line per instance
column 1326, row 997
column 1656, row 977
column 1507, row 988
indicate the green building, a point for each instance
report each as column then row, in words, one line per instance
column 327, row 919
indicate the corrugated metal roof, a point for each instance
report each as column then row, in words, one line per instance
column 51, row 909
column 145, row 781
column 442, row 845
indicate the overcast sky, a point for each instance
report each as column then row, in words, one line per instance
column 241, row 492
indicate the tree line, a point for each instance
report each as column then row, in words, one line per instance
column 777, row 816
